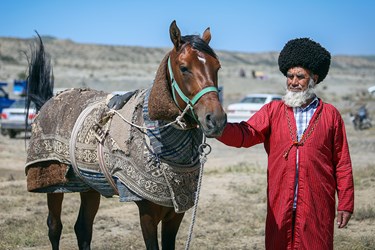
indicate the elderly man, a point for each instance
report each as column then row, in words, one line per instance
column 308, row 154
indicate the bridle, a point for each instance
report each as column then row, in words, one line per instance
column 189, row 102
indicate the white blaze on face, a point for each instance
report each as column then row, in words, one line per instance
column 202, row 59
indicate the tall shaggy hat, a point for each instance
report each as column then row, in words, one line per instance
column 306, row 53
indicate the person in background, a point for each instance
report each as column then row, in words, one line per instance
column 308, row 154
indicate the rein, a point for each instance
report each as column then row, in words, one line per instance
column 204, row 149
column 189, row 102
column 178, row 121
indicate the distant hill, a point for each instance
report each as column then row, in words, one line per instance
column 119, row 67
column 63, row 51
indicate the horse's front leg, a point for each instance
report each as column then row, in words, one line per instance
column 54, row 202
column 149, row 214
column 170, row 225
column 90, row 202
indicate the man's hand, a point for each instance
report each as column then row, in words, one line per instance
column 342, row 218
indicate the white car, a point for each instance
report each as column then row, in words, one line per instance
column 248, row 106
column 13, row 119
column 371, row 90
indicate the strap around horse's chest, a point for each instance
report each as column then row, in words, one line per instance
column 72, row 146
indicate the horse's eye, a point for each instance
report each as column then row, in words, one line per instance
column 184, row 69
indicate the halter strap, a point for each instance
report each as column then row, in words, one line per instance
column 188, row 102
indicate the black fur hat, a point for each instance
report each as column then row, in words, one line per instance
column 306, row 53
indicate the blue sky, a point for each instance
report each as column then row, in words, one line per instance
column 344, row 27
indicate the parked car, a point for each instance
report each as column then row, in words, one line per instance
column 371, row 90
column 13, row 119
column 5, row 101
column 248, row 106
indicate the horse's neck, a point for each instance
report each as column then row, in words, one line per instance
column 171, row 143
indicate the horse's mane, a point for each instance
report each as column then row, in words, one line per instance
column 197, row 43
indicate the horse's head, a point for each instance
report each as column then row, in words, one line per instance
column 193, row 73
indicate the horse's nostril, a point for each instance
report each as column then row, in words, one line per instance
column 209, row 121
column 214, row 121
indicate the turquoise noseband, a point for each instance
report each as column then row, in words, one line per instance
column 188, row 102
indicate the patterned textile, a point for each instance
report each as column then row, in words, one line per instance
column 75, row 184
column 51, row 130
column 163, row 140
column 303, row 116
column 156, row 168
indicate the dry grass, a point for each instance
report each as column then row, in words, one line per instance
column 230, row 217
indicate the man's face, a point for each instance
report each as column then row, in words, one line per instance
column 298, row 79
column 300, row 87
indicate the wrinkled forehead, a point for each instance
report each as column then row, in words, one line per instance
column 298, row 70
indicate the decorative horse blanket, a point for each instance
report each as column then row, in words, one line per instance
column 92, row 146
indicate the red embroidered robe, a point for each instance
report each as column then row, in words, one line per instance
column 324, row 168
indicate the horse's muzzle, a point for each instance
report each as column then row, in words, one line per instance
column 213, row 124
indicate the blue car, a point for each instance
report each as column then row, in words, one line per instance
column 5, row 101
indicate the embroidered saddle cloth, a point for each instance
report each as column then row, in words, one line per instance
column 77, row 129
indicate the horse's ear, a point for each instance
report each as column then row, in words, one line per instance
column 207, row 35
column 175, row 34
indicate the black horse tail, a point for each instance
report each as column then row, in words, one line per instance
column 40, row 81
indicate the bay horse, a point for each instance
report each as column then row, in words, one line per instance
column 183, row 102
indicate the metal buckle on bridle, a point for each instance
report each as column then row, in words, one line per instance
column 204, row 149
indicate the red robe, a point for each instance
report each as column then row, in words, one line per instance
column 324, row 168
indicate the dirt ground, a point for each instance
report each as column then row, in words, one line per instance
column 230, row 215
column 232, row 206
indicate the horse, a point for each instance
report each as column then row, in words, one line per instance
column 82, row 134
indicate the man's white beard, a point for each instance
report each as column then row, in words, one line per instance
column 298, row 99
